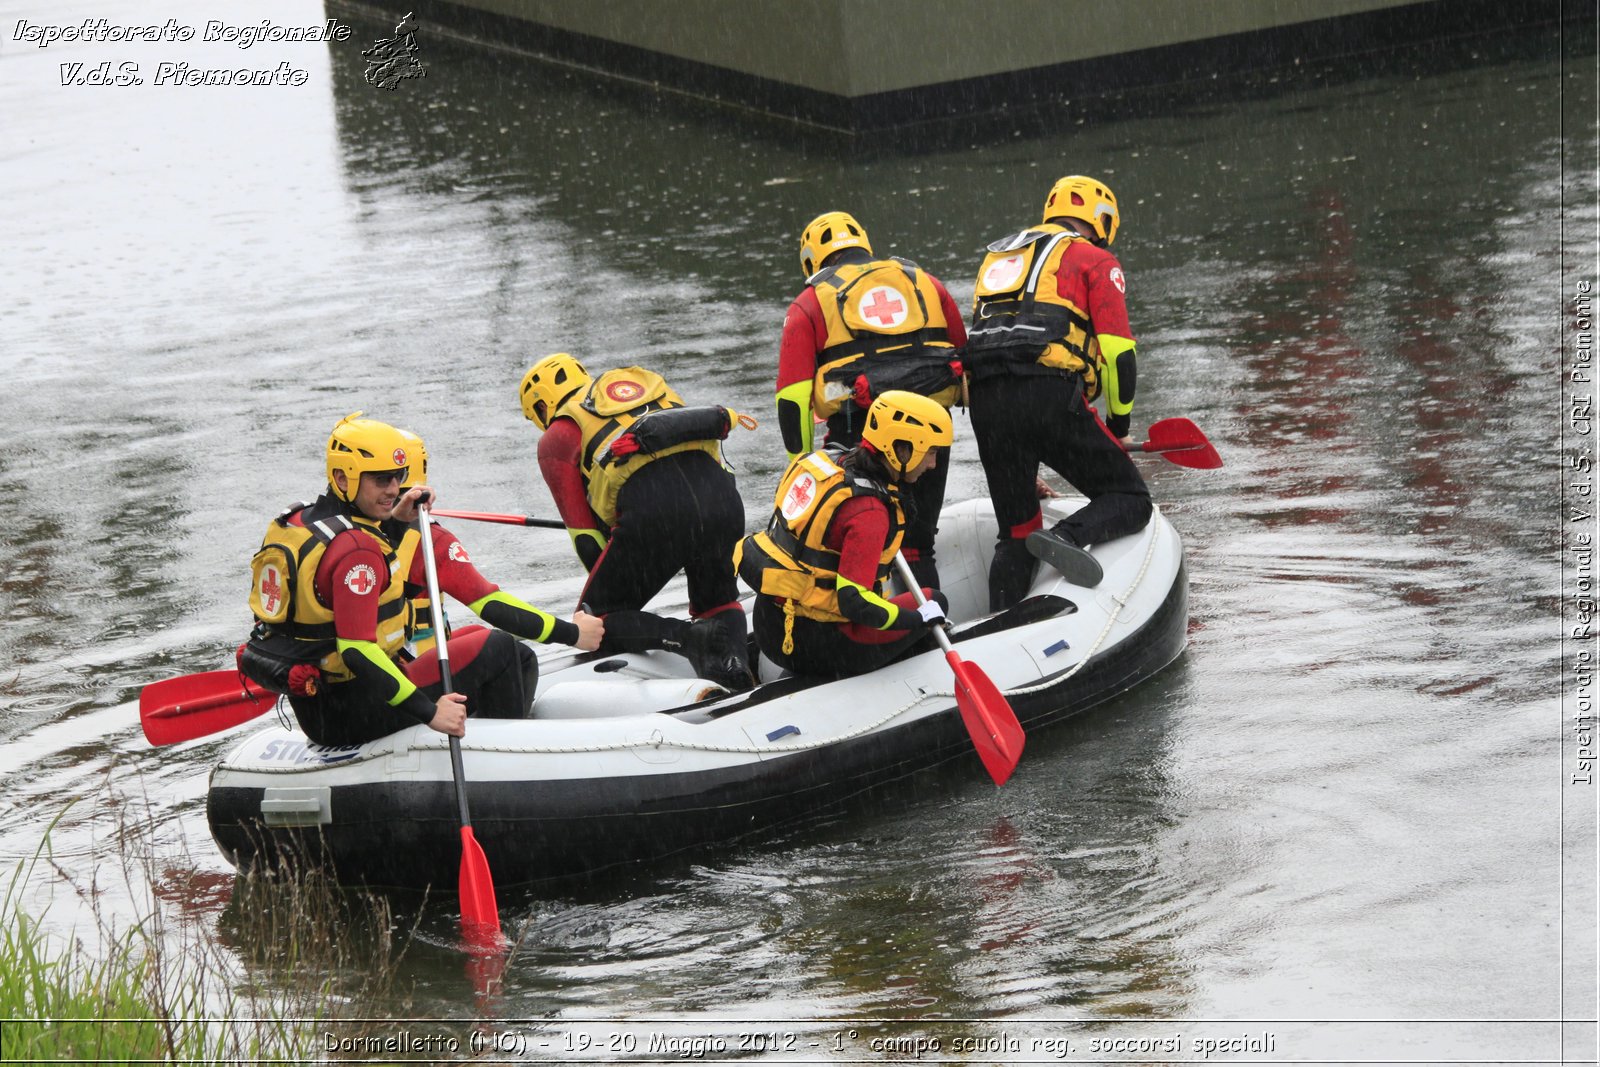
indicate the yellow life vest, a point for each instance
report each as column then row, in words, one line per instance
column 603, row 412
column 1018, row 314
column 884, row 320
column 789, row 559
column 283, row 593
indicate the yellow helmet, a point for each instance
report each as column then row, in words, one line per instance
column 1077, row 197
column 417, row 472
column 360, row 446
column 548, row 385
column 918, row 421
column 826, row 234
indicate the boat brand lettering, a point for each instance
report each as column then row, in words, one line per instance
column 285, row 751
column 361, row 580
column 798, row 498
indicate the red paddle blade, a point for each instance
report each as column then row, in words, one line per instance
column 194, row 705
column 1180, row 441
column 996, row 733
column 480, row 915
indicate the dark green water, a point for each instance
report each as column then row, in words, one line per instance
column 1344, row 817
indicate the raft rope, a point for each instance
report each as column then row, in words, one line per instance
column 659, row 741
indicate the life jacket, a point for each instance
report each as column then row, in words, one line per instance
column 293, row 624
column 420, row 633
column 885, row 324
column 612, row 403
column 790, row 560
column 1019, row 317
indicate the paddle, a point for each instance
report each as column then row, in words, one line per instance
column 996, row 733
column 480, row 915
column 194, row 705
column 1179, row 441
column 495, row 516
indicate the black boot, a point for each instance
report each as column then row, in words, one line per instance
column 713, row 653
column 924, row 571
column 738, row 628
column 1075, row 564
column 1010, row 574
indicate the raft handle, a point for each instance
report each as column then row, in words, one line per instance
column 296, row 806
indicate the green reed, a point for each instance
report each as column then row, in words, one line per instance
column 290, row 956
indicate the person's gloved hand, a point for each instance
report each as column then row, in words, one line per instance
column 930, row 612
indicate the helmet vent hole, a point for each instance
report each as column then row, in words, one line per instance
column 1078, row 200
column 827, row 236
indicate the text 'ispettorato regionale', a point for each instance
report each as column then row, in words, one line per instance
column 171, row 31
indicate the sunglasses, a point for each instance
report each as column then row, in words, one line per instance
column 383, row 478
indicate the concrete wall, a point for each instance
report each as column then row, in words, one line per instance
column 854, row 48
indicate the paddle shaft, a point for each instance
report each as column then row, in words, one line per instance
column 1155, row 449
column 442, row 649
column 903, row 569
column 508, row 520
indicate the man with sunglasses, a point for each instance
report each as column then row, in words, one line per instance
column 329, row 592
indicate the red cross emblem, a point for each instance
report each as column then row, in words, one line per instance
column 886, row 307
column 361, row 580
column 399, row 457
column 271, row 590
column 799, row 496
column 1003, row 273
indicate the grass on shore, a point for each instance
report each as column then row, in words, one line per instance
column 168, row 991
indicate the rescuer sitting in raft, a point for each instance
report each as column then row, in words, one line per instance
column 818, row 568
column 863, row 326
column 328, row 589
column 639, row 481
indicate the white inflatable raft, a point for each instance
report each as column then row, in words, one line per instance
column 629, row 759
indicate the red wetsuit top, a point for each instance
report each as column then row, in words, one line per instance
column 1091, row 278
column 559, row 450
column 355, row 603
column 858, row 532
